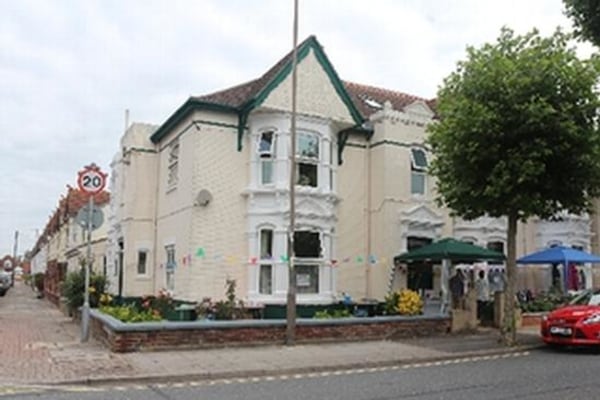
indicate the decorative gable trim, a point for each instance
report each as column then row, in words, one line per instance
column 259, row 97
column 182, row 112
column 310, row 44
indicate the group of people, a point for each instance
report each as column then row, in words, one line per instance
column 484, row 286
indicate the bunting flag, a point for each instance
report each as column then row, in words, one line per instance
column 359, row 259
column 334, row 263
column 383, row 260
column 346, row 260
column 200, row 252
column 253, row 260
column 284, row 258
column 372, row 259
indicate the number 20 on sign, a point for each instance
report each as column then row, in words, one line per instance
column 91, row 179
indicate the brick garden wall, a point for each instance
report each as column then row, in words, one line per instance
column 165, row 335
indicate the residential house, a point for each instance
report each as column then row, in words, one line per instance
column 62, row 245
column 205, row 196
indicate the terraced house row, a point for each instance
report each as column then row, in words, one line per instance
column 204, row 197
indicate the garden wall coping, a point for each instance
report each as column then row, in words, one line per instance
column 118, row 326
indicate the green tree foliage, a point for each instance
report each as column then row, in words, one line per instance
column 585, row 15
column 74, row 285
column 517, row 136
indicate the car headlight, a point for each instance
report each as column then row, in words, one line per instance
column 593, row 319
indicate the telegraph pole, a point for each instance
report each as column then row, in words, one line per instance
column 290, row 334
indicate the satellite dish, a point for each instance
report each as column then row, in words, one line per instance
column 203, row 198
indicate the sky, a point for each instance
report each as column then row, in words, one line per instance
column 69, row 69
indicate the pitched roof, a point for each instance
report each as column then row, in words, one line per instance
column 370, row 99
column 241, row 99
column 361, row 100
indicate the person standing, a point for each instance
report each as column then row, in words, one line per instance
column 457, row 290
column 482, row 288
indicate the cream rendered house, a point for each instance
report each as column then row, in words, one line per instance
column 205, row 196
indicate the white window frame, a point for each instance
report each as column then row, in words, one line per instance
column 266, row 157
column 139, row 253
column 309, row 262
column 170, row 266
column 418, row 172
column 266, row 260
column 173, row 164
column 307, row 159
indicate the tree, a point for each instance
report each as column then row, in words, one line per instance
column 586, row 18
column 517, row 137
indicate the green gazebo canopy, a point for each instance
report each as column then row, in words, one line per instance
column 450, row 249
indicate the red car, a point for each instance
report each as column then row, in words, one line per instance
column 575, row 324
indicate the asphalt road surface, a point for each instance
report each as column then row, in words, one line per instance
column 536, row 375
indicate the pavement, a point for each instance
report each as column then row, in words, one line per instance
column 39, row 345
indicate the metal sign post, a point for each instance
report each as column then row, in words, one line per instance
column 91, row 181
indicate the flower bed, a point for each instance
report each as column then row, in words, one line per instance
column 163, row 335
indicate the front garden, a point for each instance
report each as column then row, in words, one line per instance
column 162, row 322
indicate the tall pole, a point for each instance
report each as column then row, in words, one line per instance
column 290, row 333
column 15, row 248
column 85, row 312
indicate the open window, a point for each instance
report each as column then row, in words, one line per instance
column 307, row 160
column 307, row 252
column 266, row 152
column 418, row 171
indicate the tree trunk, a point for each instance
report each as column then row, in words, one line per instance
column 509, row 326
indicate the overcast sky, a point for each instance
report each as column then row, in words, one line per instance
column 69, row 69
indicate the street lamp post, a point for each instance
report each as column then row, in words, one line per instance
column 290, row 335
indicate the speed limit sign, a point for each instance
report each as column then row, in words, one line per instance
column 91, row 180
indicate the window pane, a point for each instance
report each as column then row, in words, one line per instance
column 307, row 244
column 307, row 278
column 307, row 175
column 170, row 280
column 417, row 183
column 266, row 244
column 419, row 159
column 496, row 246
column 266, row 171
column 265, row 145
column 307, row 146
column 265, row 281
column 141, row 265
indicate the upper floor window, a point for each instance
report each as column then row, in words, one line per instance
column 418, row 171
column 173, row 164
column 266, row 152
column 307, row 159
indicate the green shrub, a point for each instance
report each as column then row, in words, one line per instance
column 73, row 286
column 230, row 308
column 545, row 301
column 38, row 281
column 328, row 314
column 392, row 300
column 129, row 313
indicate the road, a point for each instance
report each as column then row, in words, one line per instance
column 535, row 375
